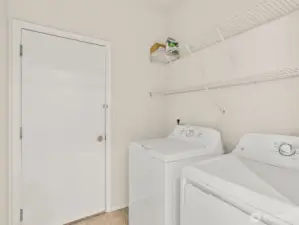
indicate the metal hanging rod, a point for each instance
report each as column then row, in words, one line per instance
column 256, row 79
column 262, row 13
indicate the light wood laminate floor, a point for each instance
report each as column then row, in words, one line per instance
column 119, row 217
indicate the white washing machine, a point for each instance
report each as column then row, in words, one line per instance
column 155, row 169
column 256, row 184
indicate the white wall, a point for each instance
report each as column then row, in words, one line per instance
column 3, row 116
column 131, row 27
column 270, row 108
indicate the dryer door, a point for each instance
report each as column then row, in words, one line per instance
column 200, row 208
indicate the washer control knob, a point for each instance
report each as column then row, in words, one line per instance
column 189, row 133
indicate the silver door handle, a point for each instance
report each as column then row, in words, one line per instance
column 100, row 138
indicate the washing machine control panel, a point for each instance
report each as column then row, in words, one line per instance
column 202, row 136
column 186, row 132
column 189, row 133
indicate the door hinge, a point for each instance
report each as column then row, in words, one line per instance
column 21, row 215
column 21, row 133
column 105, row 138
column 105, row 106
column 21, row 50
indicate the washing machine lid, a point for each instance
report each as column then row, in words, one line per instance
column 186, row 141
column 171, row 150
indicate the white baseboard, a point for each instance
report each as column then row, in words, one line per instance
column 115, row 208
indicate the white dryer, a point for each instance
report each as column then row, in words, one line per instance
column 155, row 169
column 256, row 184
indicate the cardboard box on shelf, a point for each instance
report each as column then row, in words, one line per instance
column 156, row 46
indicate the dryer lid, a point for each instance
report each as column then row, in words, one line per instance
column 255, row 176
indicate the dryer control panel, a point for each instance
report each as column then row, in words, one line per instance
column 286, row 149
column 277, row 150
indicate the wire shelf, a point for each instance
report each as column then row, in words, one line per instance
column 255, row 79
column 262, row 13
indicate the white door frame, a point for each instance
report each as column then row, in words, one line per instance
column 14, row 95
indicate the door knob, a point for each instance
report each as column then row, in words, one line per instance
column 100, row 138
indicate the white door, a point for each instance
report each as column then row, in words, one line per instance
column 63, row 158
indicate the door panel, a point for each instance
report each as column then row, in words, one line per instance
column 63, row 163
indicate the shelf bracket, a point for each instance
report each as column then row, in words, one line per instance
column 220, row 34
column 189, row 50
column 168, row 58
column 209, row 95
column 230, row 57
column 213, row 100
